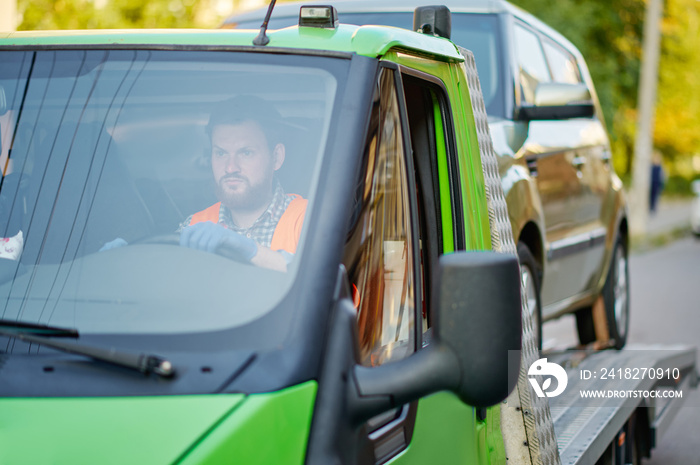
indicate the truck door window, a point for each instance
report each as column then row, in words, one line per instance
column 379, row 253
column 531, row 62
column 429, row 139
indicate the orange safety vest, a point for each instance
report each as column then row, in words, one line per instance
column 287, row 231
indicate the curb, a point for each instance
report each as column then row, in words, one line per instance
column 650, row 242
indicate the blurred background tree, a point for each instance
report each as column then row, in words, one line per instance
column 119, row 14
column 609, row 35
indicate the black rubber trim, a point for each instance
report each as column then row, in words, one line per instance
column 182, row 47
column 413, row 198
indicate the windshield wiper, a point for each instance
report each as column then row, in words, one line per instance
column 38, row 328
column 144, row 363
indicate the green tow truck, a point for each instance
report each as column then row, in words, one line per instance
column 395, row 332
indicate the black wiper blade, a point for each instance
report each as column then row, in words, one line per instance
column 144, row 363
column 38, row 328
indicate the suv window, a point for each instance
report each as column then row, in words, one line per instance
column 531, row 62
column 562, row 64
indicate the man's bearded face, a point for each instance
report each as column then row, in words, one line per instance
column 243, row 165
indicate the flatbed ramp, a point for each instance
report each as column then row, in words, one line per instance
column 585, row 424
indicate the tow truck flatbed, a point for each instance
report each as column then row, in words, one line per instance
column 586, row 425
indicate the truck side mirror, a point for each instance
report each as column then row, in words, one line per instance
column 433, row 19
column 477, row 322
column 479, row 319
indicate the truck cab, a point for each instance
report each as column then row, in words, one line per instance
column 384, row 340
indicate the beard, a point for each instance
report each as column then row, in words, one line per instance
column 250, row 197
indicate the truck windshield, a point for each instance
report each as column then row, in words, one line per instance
column 106, row 154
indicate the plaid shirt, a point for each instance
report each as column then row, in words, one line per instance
column 264, row 227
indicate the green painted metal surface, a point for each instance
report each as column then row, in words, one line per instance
column 106, row 430
column 257, row 429
column 265, row 429
column 445, row 432
column 444, row 180
column 493, row 436
column 371, row 41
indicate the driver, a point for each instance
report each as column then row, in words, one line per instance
column 254, row 217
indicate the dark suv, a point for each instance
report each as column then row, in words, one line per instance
column 566, row 205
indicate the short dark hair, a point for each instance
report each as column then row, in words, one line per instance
column 243, row 108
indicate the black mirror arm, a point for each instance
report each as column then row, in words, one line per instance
column 378, row 389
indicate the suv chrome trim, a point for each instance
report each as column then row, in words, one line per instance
column 575, row 244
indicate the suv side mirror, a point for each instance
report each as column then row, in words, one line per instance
column 478, row 320
column 555, row 100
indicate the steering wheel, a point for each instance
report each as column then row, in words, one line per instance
column 164, row 239
column 174, row 239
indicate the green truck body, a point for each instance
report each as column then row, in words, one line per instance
column 274, row 427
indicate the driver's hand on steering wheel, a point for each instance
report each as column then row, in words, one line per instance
column 210, row 236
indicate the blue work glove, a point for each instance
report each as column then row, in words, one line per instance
column 116, row 243
column 209, row 237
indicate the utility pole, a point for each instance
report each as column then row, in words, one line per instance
column 643, row 146
column 8, row 15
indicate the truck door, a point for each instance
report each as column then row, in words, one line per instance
column 396, row 233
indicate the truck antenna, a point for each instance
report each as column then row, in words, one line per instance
column 262, row 38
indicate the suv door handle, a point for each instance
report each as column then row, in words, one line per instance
column 579, row 161
column 532, row 166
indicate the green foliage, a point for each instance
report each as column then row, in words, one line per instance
column 677, row 132
column 117, row 14
column 677, row 186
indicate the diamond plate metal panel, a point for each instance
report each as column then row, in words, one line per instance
column 536, row 417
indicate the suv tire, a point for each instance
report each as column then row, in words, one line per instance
column 615, row 295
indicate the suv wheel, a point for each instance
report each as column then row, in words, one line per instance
column 616, row 295
column 616, row 299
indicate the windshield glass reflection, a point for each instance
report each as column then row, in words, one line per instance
column 156, row 191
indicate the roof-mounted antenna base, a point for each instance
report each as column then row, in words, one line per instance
column 262, row 38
